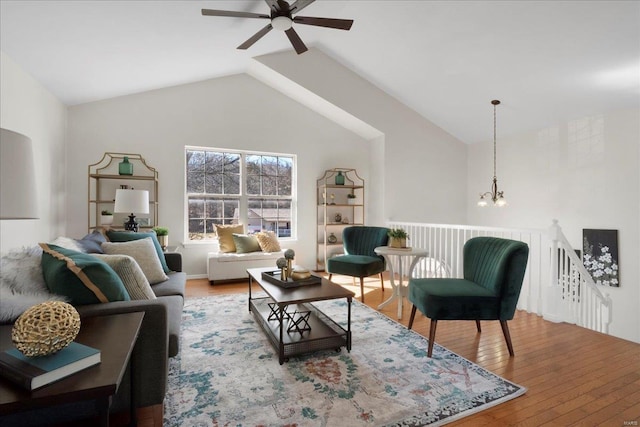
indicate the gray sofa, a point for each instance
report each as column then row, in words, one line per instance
column 159, row 339
column 159, row 336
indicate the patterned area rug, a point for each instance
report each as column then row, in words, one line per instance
column 228, row 374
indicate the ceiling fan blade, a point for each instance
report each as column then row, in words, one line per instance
column 296, row 41
column 340, row 24
column 298, row 5
column 230, row 13
column 254, row 38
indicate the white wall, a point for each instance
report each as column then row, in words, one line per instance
column 423, row 175
column 585, row 173
column 230, row 112
column 28, row 108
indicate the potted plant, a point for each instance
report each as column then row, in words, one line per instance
column 351, row 199
column 106, row 217
column 397, row 238
column 163, row 236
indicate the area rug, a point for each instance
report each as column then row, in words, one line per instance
column 228, row 374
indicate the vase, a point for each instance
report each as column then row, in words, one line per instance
column 164, row 241
column 351, row 201
column 338, row 217
column 339, row 178
column 332, row 238
column 124, row 167
column 397, row 242
column 106, row 219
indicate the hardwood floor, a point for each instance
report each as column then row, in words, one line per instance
column 574, row 376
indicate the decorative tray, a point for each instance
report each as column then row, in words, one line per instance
column 274, row 277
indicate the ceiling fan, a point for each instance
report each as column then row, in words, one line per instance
column 282, row 19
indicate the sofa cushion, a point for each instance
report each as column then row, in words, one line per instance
column 225, row 236
column 245, row 243
column 127, row 236
column 175, row 285
column 143, row 251
column 268, row 241
column 131, row 275
column 82, row 278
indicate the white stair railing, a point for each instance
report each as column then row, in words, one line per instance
column 568, row 294
column 580, row 299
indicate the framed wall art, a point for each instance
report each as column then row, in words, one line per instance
column 600, row 256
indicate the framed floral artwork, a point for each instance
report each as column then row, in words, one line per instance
column 600, row 256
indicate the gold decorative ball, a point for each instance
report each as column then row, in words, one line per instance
column 45, row 328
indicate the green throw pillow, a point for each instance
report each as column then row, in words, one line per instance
column 245, row 244
column 127, row 236
column 81, row 277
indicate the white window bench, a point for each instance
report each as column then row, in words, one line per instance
column 227, row 267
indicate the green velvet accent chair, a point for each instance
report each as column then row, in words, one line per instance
column 493, row 272
column 359, row 259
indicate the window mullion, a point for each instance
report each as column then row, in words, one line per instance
column 243, row 204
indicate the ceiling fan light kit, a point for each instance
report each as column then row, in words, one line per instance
column 281, row 23
column 281, row 16
column 497, row 197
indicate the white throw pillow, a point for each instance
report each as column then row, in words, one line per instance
column 68, row 243
column 22, row 284
column 13, row 304
column 131, row 275
column 144, row 252
column 20, row 270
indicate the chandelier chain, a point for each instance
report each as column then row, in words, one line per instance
column 494, row 141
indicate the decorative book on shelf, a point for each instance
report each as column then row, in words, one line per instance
column 35, row 372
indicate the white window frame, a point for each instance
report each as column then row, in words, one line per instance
column 244, row 197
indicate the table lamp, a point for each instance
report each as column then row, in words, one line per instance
column 134, row 201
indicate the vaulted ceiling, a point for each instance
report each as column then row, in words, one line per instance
column 546, row 61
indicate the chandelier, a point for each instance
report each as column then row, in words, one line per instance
column 497, row 197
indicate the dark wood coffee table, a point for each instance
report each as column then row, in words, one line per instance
column 115, row 335
column 294, row 325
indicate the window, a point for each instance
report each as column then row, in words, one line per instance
column 237, row 187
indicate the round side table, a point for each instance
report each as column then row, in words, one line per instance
column 399, row 289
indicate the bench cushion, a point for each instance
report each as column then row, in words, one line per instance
column 231, row 266
column 251, row 256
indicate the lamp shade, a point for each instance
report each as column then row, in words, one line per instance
column 18, row 198
column 482, row 202
column 132, row 201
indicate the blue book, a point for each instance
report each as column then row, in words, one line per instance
column 35, row 372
